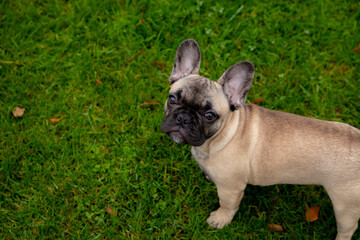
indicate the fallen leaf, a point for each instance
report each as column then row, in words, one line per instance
column 276, row 227
column 18, row 112
column 110, row 211
column 148, row 103
column 55, row 120
column 357, row 48
column 312, row 214
column 342, row 68
column 257, row 101
column 98, row 81
column 159, row 64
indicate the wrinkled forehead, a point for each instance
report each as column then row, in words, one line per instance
column 198, row 91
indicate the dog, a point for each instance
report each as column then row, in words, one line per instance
column 236, row 144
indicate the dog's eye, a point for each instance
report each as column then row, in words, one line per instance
column 172, row 99
column 210, row 116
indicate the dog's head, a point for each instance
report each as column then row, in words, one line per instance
column 197, row 107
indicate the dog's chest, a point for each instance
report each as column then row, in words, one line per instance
column 203, row 160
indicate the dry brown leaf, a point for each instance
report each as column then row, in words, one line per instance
column 98, row 81
column 312, row 214
column 357, row 48
column 18, row 112
column 148, row 103
column 342, row 68
column 55, row 120
column 110, row 211
column 257, row 101
column 276, row 227
column 35, row 231
column 159, row 64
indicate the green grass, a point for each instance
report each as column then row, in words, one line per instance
column 60, row 180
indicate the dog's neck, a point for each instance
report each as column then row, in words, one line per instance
column 221, row 138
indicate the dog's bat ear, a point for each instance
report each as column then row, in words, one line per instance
column 187, row 60
column 236, row 82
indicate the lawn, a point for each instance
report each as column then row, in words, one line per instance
column 87, row 159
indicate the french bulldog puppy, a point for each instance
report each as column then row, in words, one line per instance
column 236, row 143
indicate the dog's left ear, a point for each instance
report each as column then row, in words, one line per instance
column 187, row 60
column 236, row 82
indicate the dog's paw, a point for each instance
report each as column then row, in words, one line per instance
column 220, row 218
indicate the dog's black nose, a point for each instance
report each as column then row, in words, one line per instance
column 183, row 119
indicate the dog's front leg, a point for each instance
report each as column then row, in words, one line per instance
column 230, row 198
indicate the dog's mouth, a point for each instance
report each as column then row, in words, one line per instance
column 177, row 137
column 176, row 134
column 181, row 135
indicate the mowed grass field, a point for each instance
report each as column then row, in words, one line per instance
column 87, row 159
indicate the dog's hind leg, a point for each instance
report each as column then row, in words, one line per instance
column 347, row 210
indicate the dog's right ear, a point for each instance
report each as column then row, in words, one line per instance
column 187, row 60
column 236, row 82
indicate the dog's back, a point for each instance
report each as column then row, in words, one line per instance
column 318, row 151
